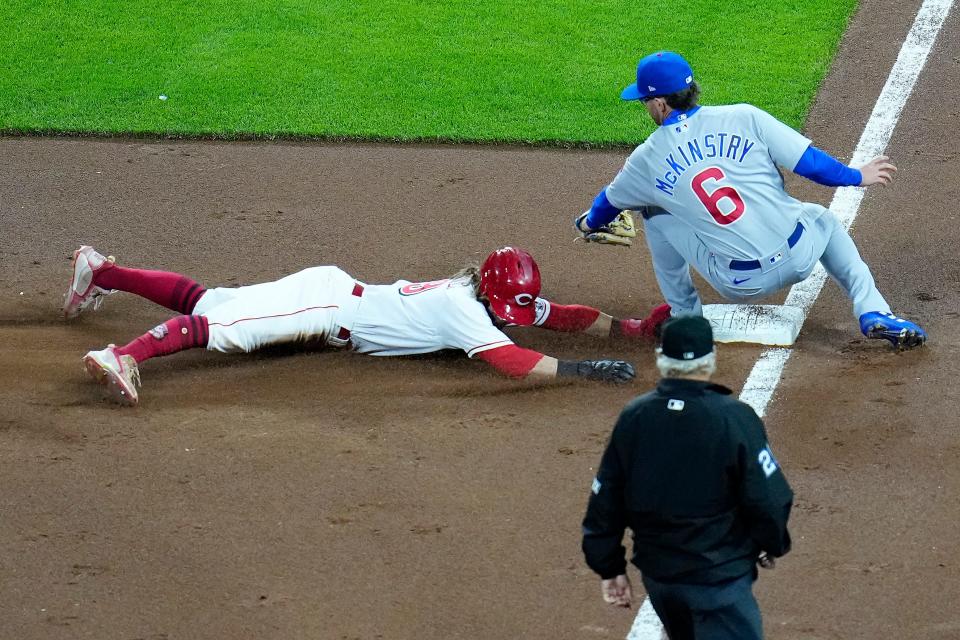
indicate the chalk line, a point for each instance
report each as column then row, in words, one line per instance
column 762, row 382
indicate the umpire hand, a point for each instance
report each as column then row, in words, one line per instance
column 617, row 591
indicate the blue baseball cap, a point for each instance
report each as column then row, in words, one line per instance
column 659, row 74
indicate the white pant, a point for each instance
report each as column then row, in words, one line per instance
column 309, row 306
column 674, row 246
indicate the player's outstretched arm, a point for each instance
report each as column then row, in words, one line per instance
column 517, row 362
column 583, row 319
column 824, row 169
column 573, row 318
column 878, row 171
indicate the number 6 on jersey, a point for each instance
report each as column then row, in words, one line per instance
column 712, row 200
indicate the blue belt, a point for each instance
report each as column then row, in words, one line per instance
column 750, row 265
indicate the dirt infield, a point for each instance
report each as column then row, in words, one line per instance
column 333, row 495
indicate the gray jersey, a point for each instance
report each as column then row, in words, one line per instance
column 716, row 170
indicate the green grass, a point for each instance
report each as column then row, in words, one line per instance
column 490, row 70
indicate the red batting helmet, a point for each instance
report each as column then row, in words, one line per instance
column 510, row 279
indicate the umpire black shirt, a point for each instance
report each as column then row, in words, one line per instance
column 689, row 470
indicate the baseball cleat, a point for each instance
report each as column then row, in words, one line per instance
column 119, row 374
column 82, row 292
column 903, row 334
column 648, row 327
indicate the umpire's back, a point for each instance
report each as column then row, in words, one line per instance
column 689, row 470
column 694, row 484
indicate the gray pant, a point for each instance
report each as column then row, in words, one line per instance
column 727, row 611
column 674, row 247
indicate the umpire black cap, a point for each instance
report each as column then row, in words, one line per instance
column 686, row 337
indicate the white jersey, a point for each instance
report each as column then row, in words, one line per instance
column 321, row 304
column 716, row 170
column 406, row 318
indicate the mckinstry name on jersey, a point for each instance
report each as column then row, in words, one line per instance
column 706, row 147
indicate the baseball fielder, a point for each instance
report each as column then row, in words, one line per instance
column 711, row 196
column 326, row 306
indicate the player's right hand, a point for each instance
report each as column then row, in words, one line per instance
column 877, row 171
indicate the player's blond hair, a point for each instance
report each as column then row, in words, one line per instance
column 470, row 273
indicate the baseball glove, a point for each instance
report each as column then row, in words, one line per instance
column 620, row 231
column 617, row 371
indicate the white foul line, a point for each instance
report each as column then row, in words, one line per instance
column 765, row 376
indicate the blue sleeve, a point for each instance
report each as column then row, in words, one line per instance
column 602, row 212
column 824, row 169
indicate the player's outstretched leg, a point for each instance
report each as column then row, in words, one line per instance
column 116, row 367
column 95, row 276
column 842, row 261
column 902, row 333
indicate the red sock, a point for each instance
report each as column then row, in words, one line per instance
column 172, row 290
column 176, row 334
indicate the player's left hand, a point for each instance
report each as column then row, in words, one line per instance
column 877, row 171
column 619, row 231
column 616, row 371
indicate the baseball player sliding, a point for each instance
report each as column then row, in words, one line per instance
column 711, row 195
column 326, row 306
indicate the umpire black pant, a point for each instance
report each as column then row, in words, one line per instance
column 726, row 611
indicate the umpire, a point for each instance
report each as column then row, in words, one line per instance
column 689, row 470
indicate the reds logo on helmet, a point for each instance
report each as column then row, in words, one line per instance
column 510, row 280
